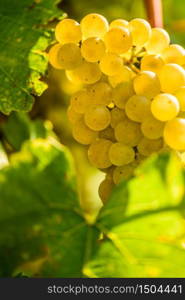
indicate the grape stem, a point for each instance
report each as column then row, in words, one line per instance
column 134, row 54
column 154, row 12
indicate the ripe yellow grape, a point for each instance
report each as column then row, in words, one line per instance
column 137, row 108
column 80, row 101
column 66, row 85
column 121, row 154
column 152, row 128
column 69, row 56
column 72, row 115
column 98, row 153
column 68, row 31
column 111, row 64
column 172, row 77
column 128, row 132
column 174, row 54
column 117, row 115
column 53, row 56
column 180, row 95
column 105, row 189
column 107, row 133
column 73, row 77
column 87, row 73
column 159, row 40
column 100, row 93
column 93, row 49
column 83, row 134
column 119, row 23
column 121, row 93
column 152, row 62
column 140, row 31
column 165, row 107
column 123, row 172
column 174, row 134
column 147, row 146
column 94, row 25
column 97, row 117
column 118, row 40
column 125, row 74
column 147, row 84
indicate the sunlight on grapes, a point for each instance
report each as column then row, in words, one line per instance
column 128, row 95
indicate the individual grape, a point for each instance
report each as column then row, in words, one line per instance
column 69, row 56
column 68, row 31
column 119, row 23
column 83, row 134
column 180, row 95
column 174, row 54
column 73, row 77
column 152, row 63
column 98, row 153
column 105, row 189
column 97, row 117
column 53, row 56
column 66, row 85
column 94, row 25
column 165, row 107
column 107, row 133
column 87, row 73
column 117, row 115
column 123, row 172
column 72, row 115
column 174, row 134
column 140, row 31
column 125, row 74
column 147, row 84
column 121, row 154
column 152, row 128
column 111, row 64
column 147, row 146
column 128, row 132
column 159, row 40
column 118, row 40
column 121, row 93
column 100, row 93
column 80, row 101
column 137, row 108
column 172, row 77
column 93, row 49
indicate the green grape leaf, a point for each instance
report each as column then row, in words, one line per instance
column 23, row 40
column 44, row 231
column 20, row 128
column 152, row 229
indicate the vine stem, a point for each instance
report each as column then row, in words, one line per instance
column 154, row 12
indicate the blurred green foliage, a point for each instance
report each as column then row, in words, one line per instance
column 45, row 233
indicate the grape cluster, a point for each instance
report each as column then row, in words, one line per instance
column 131, row 97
